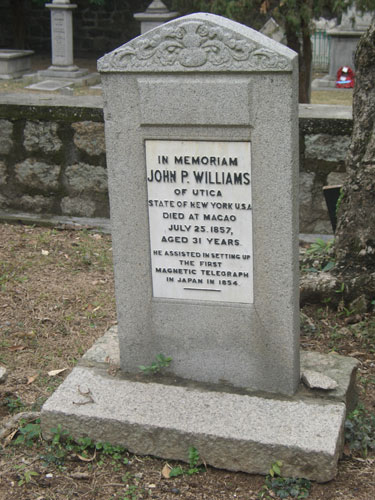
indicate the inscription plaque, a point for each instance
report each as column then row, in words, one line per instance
column 200, row 216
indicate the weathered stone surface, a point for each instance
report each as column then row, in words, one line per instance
column 3, row 173
column 4, row 202
column 336, row 178
column 231, row 431
column 6, row 130
column 37, row 174
column 317, row 380
column 341, row 369
column 36, row 203
column 83, row 178
column 263, row 353
column 3, row 374
column 106, row 347
column 330, row 148
column 359, row 305
column 78, row 206
column 89, row 136
column 41, row 136
column 321, row 227
column 306, row 182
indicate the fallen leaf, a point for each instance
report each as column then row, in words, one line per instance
column 166, row 471
column 9, row 438
column 85, row 459
column 17, row 348
column 53, row 373
column 31, row 379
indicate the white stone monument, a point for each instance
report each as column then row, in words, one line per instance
column 14, row 63
column 62, row 42
column 202, row 148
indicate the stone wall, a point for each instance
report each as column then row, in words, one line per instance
column 52, row 158
column 325, row 133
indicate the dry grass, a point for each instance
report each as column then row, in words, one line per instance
column 343, row 97
column 57, row 298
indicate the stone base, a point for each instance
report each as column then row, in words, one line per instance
column 327, row 82
column 231, row 429
column 63, row 72
column 54, row 83
column 14, row 63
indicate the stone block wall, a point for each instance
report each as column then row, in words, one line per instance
column 325, row 133
column 52, row 159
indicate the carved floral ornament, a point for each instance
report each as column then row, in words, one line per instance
column 193, row 45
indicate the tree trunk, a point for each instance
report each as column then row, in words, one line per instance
column 355, row 235
column 354, row 274
column 304, row 50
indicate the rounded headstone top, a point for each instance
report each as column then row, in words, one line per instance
column 199, row 42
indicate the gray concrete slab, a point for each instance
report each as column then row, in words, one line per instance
column 51, row 101
column 231, row 431
column 104, row 225
column 49, row 85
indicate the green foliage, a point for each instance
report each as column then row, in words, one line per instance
column 28, row 433
column 277, row 486
column 193, row 465
column 318, row 257
column 62, row 445
column 360, row 430
column 25, row 475
column 156, row 366
column 14, row 405
column 339, row 200
column 320, row 247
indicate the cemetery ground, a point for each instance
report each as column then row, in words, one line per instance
column 39, row 62
column 57, row 298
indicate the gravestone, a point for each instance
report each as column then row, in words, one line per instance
column 203, row 185
column 62, row 42
column 155, row 15
column 14, row 63
column 201, row 140
column 345, row 38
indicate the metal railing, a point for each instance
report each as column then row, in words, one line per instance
column 321, row 50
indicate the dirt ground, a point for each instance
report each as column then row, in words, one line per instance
column 56, row 299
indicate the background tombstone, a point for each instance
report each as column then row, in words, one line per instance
column 155, row 15
column 345, row 38
column 204, row 87
column 62, row 42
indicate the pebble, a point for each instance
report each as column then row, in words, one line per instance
column 3, row 374
column 317, row 380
